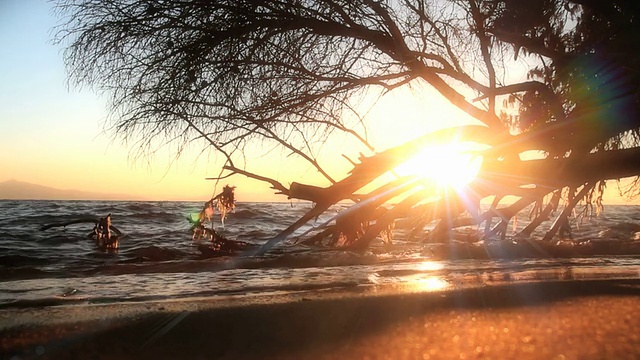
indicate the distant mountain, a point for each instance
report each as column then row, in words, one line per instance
column 19, row 190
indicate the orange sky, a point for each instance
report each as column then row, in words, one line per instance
column 53, row 136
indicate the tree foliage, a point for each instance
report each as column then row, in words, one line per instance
column 286, row 71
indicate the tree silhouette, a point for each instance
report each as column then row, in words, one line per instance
column 286, row 72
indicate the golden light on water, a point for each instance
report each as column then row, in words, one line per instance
column 430, row 266
column 450, row 164
column 419, row 280
column 421, row 283
column 429, row 284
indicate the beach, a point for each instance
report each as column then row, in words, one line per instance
column 576, row 319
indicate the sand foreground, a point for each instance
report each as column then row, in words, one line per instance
column 595, row 319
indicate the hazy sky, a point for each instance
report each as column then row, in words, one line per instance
column 54, row 136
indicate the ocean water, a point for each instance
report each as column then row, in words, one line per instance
column 158, row 260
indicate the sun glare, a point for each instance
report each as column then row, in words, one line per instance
column 451, row 164
column 429, row 284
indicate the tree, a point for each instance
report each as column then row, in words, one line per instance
column 287, row 71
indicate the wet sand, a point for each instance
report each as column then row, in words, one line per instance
column 595, row 319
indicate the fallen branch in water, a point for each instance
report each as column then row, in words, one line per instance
column 101, row 232
column 86, row 220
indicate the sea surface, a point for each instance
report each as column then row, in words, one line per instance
column 158, row 260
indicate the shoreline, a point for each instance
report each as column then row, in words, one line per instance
column 544, row 319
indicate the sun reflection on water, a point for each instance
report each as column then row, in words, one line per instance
column 430, row 266
column 428, row 284
column 424, row 276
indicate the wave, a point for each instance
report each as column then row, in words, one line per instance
column 22, row 260
column 247, row 214
column 620, row 231
column 157, row 253
column 36, row 303
column 158, row 241
column 156, row 216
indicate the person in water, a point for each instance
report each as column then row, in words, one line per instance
column 103, row 235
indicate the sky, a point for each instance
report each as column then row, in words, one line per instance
column 54, row 135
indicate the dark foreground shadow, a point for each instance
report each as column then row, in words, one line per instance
column 319, row 328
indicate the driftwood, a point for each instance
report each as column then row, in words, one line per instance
column 85, row 220
column 225, row 202
column 369, row 169
column 218, row 245
column 221, row 246
column 530, row 180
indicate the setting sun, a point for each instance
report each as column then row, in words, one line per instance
column 453, row 164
